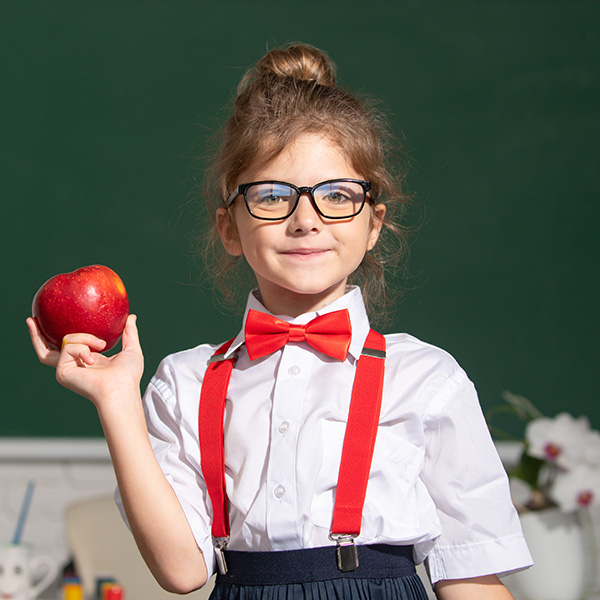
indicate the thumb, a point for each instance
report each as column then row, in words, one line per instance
column 131, row 338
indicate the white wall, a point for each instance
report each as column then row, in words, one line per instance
column 64, row 471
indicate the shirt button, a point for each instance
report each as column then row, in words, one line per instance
column 295, row 370
column 283, row 427
column 279, row 491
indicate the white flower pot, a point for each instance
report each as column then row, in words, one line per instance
column 559, row 546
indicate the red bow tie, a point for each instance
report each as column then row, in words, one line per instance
column 329, row 334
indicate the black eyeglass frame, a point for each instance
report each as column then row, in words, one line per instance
column 243, row 187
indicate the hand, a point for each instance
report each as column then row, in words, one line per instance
column 81, row 368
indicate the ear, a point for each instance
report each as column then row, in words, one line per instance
column 377, row 217
column 228, row 232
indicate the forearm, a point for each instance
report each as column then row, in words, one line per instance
column 476, row 588
column 156, row 518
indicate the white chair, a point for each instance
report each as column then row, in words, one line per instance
column 102, row 545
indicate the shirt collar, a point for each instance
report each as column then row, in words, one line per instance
column 352, row 301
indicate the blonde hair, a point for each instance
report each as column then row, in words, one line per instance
column 290, row 92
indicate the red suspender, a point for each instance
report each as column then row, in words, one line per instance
column 210, row 432
column 357, row 452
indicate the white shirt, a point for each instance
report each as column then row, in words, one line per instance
column 436, row 480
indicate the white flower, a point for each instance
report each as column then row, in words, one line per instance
column 561, row 440
column 578, row 488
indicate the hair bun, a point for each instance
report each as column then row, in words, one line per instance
column 299, row 61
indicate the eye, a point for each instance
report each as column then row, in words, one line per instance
column 267, row 194
column 18, row 570
column 337, row 196
column 337, row 193
column 270, row 199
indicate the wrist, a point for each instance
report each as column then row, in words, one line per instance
column 122, row 404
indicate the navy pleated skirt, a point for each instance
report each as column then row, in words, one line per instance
column 384, row 572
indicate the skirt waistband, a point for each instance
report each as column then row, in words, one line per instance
column 314, row 564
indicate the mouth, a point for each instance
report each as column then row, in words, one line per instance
column 305, row 252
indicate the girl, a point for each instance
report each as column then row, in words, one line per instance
column 348, row 457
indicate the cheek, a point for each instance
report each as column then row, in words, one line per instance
column 254, row 244
column 256, row 235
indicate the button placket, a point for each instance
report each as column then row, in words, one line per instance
column 288, row 398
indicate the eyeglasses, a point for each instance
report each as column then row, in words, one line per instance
column 277, row 200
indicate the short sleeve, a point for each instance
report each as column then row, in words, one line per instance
column 481, row 531
column 175, row 445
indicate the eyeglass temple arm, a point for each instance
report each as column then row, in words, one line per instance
column 232, row 197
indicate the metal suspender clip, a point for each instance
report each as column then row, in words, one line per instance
column 373, row 353
column 347, row 553
column 220, row 545
column 221, row 357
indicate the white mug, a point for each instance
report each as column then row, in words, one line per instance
column 18, row 570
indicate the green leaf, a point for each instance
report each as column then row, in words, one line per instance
column 528, row 469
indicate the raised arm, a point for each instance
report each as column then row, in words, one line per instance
column 156, row 518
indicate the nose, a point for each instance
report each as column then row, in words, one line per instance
column 305, row 217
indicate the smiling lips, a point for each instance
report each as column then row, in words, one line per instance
column 308, row 252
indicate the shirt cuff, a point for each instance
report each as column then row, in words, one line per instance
column 500, row 557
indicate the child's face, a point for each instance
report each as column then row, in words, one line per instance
column 303, row 262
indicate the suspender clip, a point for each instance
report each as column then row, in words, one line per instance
column 347, row 553
column 220, row 545
column 221, row 357
column 373, row 353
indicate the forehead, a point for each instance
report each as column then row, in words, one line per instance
column 307, row 160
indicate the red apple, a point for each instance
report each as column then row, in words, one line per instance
column 89, row 300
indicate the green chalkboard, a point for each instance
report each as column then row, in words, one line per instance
column 105, row 106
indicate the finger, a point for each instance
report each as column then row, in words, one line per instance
column 131, row 338
column 81, row 353
column 45, row 353
column 87, row 339
column 80, row 347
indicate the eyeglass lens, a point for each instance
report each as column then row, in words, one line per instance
column 335, row 199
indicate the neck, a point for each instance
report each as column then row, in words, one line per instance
column 293, row 304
